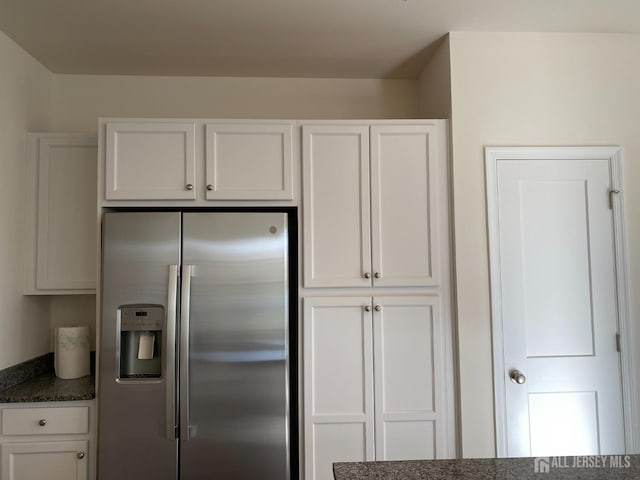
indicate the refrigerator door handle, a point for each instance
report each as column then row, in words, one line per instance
column 170, row 365
column 185, row 303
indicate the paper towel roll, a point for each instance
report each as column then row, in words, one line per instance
column 71, row 352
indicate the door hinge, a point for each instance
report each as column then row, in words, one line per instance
column 618, row 344
column 612, row 192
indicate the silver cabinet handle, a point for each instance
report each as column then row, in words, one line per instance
column 367, row 308
column 209, row 187
column 42, row 422
column 612, row 192
column 170, row 372
column 378, row 308
column 517, row 376
column 80, row 455
column 185, row 304
column 189, row 186
column 378, row 275
column 366, row 275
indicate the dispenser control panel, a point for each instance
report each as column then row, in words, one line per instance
column 141, row 318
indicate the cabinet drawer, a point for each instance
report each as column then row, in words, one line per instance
column 45, row 421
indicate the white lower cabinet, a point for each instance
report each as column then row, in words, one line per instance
column 52, row 441
column 50, row 460
column 374, row 380
column 338, row 384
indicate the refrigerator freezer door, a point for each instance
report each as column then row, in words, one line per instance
column 133, row 434
column 236, row 415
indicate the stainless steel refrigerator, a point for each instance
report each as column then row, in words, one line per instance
column 195, row 357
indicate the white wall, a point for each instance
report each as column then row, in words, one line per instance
column 71, row 310
column 25, row 92
column 80, row 99
column 531, row 89
column 434, row 83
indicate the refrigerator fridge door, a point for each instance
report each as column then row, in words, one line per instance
column 234, row 357
column 136, row 432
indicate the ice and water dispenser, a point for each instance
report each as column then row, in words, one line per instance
column 140, row 333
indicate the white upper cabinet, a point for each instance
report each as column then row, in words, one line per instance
column 197, row 161
column 371, row 204
column 61, row 214
column 337, row 232
column 249, row 161
column 150, row 161
column 404, row 197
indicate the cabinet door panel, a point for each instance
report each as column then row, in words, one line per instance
column 336, row 442
column 409, row 440
column 338, row 383
column 249, row 161
column 404, row 162
column 409, row 380
column 50, row 460
column 150, row 161
column 337, row 249
column 61, row 257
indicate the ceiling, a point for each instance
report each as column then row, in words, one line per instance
column 279, row 38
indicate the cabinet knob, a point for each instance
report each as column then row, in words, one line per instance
column 209, row 187
column 517, row 376
column 366, row 275
column 378, row 275
column 80, row 455
column 42, row 422
column 378, row 308
column 189, row 186
column 367, row 308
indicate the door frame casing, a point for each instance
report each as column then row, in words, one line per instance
column 613, row 154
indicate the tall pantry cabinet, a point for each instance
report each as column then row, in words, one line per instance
column 378, row 381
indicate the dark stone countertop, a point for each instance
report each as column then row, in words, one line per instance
column 35, row 381
column 559, row 468
column 49, row 388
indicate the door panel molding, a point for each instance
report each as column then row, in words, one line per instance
column 613, row 154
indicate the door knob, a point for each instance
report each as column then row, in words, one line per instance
column 517, row 376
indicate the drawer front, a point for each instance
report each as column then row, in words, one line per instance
column 45, row 421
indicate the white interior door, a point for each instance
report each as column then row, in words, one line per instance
column 555, row 292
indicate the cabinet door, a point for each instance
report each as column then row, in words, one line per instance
column 150, row 161
column 337, row 237
column 62, row 203
column 409, row 378
column 50, row 460
column 249, row 161
column 404, row 163
column 338, row 384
